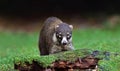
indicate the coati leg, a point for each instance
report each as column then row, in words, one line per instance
column 42, row 47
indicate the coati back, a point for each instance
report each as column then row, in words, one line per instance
column 55, row 36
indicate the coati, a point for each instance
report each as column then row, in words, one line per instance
column 55, row 36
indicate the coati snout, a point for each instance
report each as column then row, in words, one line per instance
column 55, row 36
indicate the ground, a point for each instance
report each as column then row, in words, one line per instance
column 21, row 46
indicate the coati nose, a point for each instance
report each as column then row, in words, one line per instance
column 64, row 43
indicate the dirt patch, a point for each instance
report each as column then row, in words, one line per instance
column 82, row 64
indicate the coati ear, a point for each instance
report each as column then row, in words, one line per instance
column 56, row 26
column 71, row 26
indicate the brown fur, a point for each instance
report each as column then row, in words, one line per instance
column 46, row 34
column 46, row 44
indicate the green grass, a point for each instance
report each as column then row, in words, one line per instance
column 16, row 44
column 20, row 47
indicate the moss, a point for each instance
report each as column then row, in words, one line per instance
column 48, row 59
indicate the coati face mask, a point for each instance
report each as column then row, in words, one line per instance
column 63, row 33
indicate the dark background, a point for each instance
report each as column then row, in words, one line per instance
column 37, row 8
column 30, row 14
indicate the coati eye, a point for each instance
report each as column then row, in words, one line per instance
column 68, row 35
column 59, row 35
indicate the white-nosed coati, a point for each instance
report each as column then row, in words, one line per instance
column 55, row 36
